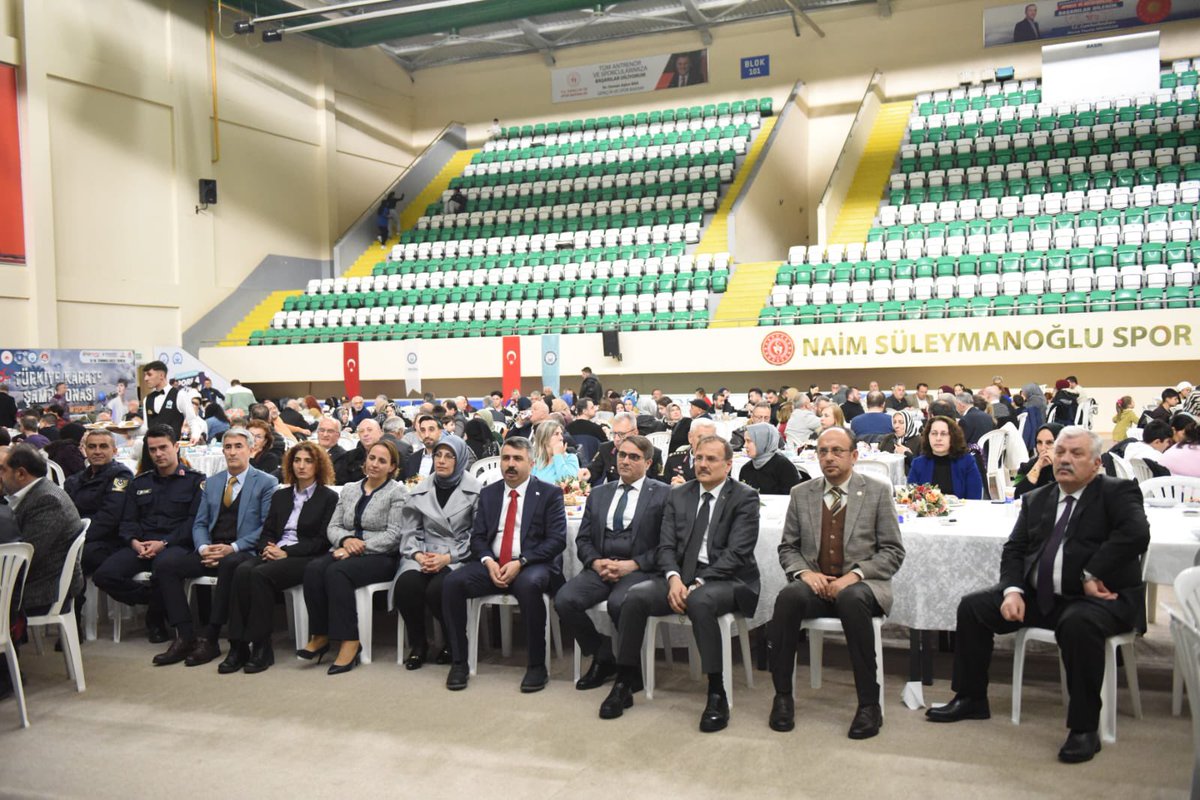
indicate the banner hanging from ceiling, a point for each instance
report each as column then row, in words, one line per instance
column 1031, row 22
column 631, row 76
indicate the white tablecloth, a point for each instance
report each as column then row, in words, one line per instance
column 945, row 560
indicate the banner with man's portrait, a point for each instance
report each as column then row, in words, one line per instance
column 1056, row 19
column 631, row 76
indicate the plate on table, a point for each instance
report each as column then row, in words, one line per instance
column 1161, row 502
column 955, row 502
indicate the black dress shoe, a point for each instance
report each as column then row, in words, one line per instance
column 239, row 653
column 416, row 658
column 443, row 657
column 783, row 713
column 598, row 674
column 338, row 669
column 157, row 635
column 1079, row 747
column 309, row 655
column 716, row 713
column 867, row 721
column 535, row 679
column 261, row 658
column 960, row 708
column 458, row 677
column 619, row 699
column 178, row 651
column 205, row 651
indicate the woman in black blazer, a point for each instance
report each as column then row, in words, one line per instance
column 293, row 535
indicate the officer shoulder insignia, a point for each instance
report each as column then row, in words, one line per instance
column 686, row 448
column 202, row 485
column 119, row 484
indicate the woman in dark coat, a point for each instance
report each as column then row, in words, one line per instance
column 768, row 470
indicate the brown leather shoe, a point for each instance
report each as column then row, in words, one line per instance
column 178, row 651
column 204, row 651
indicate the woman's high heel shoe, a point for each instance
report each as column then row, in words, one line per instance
column 309, row 655
column 338, row 669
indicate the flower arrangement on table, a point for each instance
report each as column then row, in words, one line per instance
column 924, row 500
column 574, row 490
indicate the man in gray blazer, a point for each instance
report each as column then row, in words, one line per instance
column 706, row 557
column 228, row 524
column 617, row 544
column 841, row 546
column 46, row 518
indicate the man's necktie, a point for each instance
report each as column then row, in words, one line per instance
column 691, row 556
column 619, row 515
column 227, row 500
column 837, row 500
column 1045, row 573
column 510, row 528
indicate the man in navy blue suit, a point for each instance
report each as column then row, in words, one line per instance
column 228, row 524
column 617, row 545
column 517, row 541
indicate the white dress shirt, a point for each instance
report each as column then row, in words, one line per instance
column 630, row 505
column 426, row 466
column 498, row 539
column 16, row 497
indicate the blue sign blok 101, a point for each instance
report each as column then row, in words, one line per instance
column 756, row 66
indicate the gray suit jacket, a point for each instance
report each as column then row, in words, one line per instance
column 732, row 535
column 47, row 519
column 426, row 527
column 871, row 539
column 380, row 520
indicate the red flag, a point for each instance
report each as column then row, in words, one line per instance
column 512, row 365
column 351, row 368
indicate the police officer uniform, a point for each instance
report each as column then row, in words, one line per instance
column 680, row 463
column 99, row 495
column 157, row 508
column 162, row 408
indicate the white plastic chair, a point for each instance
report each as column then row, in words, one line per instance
column 506, row 602
column 727, row 622
column 661, row 440
column 366, row 615
column 1171, row 487
column 62, row 613
column 1187, row 655
column 1108, row 690
column 486, row 470
column 293, row 598
column 1187, row 594
column 14, row 559
column 817, row 628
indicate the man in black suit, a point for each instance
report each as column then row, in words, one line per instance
column 604, row 465
column 617, row 543
column 8, row 408
column 706, row 557
column 517, row 540
column 1027, row 29
column 974, row 420
column 348, row 468
column 590, row 387
column 1071, row 564
column 329, row 433
column 421, row 462
column 683, row 75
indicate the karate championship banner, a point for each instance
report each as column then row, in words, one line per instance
column 631, row 76
column 90, row 375
column 1029, row 22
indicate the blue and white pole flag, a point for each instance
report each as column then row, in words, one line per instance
column 412, row 366
column 550, row 360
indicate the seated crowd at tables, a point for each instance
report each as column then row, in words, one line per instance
column 657, row 535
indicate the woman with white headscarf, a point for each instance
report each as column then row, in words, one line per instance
column 905, row 438
column 768, row 470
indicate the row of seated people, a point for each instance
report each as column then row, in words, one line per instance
column 647, row 549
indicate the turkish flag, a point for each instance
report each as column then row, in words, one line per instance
column 512, row 365
column 351, row 368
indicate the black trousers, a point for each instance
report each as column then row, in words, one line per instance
column 472, row 580
column 252, row 601
column 114, row 577
column 584, row 591
column 175, row 565
column 417, row 592
column 329, row 587
column 1080, row 626
column 96, row 553
column 854, row 606
column 704, row 605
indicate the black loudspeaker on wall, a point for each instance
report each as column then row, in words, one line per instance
column 612, row 347
column 208, row 192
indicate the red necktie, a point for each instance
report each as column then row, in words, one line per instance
column 510, row 528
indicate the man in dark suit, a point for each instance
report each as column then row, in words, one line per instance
column 8, row 408
column 228, row 524
column 421, row 462
column 617, row 544
column 590, row 387
column 604, row 465
column 841, row 546
column 1027, row 29
column 974, row 420
column 348, row 468
column 683, row 75
column 517, row 540
column 46, row 519
column 1071, row 564
column 706, row 560
column 329, row 433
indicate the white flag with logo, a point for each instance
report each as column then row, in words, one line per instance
column 412, row 366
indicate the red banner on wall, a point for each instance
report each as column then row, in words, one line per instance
column 351, row 368
column 12, row 220
column 511, row 350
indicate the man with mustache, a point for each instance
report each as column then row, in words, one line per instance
column 1072, row 564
